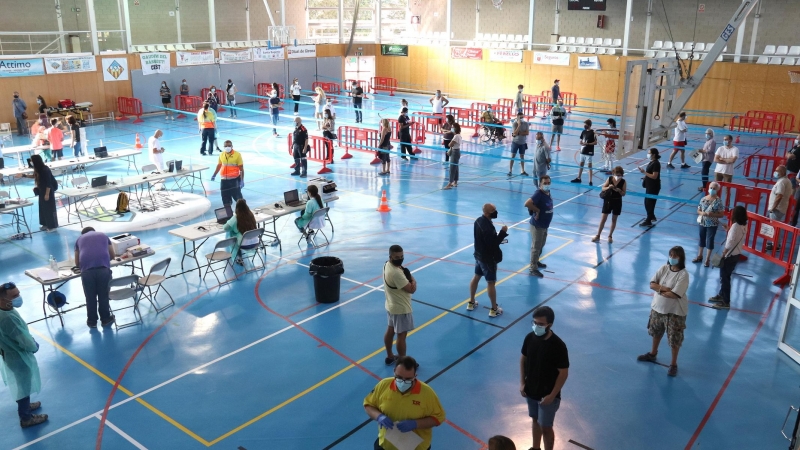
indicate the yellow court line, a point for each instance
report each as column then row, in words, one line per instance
column 371, row 355
column 122, row 388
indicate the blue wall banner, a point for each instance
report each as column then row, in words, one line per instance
column 21, row 67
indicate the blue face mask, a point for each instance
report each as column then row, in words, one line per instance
column 673, row 261
column 708, row 137
column 712, row 192
column 539, row 330
column 17, row 302
column 546, row 187
column 403, row 385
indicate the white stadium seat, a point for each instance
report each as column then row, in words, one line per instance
column 788, row 61
column 570, row 40
column 678, row 46
column 699, row 47
column 580, row 41
column 616, row 43
column 782, row 50
column 589, row 41
column 562, row 40
column 794, row 50
column 611, row 51
column 769, row 50
column 775, row 60
column 553, row 48
column 667, row 45
column 661, row 55
column 762, row 60
column 607, row 42
column 658, row 45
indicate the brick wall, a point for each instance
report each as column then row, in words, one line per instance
column 433, row 15
column 28, row 15
column 194, row 21
column 152, row 24
column 512, row 18
column 295, row 15
column 462, row 23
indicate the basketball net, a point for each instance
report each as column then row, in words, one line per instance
column 794, row 75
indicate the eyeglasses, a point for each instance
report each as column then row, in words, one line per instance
column 538, row 324
column 398, row 378
column 9, row 286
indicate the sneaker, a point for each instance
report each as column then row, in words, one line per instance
column 35, row 419
column 109, row 321
column 722, row 306
column 646, row 224
column 303, row 175
column 673, row 371
column 495, row 312
column 203, row 153
column 524, row 174
column 541, row 265
column 596, row 238
column 295, row 173
column 471, row 305
column 649, row 357
column 240, row 261
column 684, row 166
column 715, row 299
column 590, row 184
column 297, row 114
column 389, row 360
column 576, row 180
column 669, row 165
column 536, row 273
column 91, row 324
column 508, row 174
column 558, row 148
column 35, row 406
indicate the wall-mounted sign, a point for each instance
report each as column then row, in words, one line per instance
column 115, row 69
column 505, row 55
column 394, row 50
column 466, row 53
column 267, row 54
column 235, row 56
column 21, row 67
column 68, row 64
column 153, row 63
column 553, row 59
column 588, row 62
column 195, row 58
column 301, row 51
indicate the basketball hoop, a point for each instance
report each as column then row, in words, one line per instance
column 794, row 75
column 497, row 4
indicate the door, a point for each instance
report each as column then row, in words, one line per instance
column 359, row 68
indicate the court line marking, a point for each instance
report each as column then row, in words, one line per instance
column 125, row 435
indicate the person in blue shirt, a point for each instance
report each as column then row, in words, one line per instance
column 540, row 207
column 314, row 203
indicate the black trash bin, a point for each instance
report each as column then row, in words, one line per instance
column 327, row 272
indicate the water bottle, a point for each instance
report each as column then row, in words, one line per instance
column 53, row 264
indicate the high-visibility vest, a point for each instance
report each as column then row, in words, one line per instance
column 207, row 120
column 231, row 165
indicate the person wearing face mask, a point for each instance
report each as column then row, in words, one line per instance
column 438, row 102
column 184, row 87
column 490, row 124
column 779, row 196
column 615, row 188
column 611, row 134
column 519, row 143
column 319, row 102
column 18, row 364
column 405, row 134
column 166, row 100
column 540, row 208
column 295, row 90
column 42, row 105
column 212, row 99
column 652, row 186
column 731, row 251
column 207, row 121
column 299, row 148
column 588, row 141
column 398, row 285
column 708, row 156
column 543, row 371
column 230, row 91
column 405, row 402
column 93, row 255
column 541, row 158
column 558, row 113
column 669, row 307
column 725, row 157
column 230, row 161
column 20, row 107
column 454, row 156
column 519, row 100
column 275, row 105
column 792, row 168
column 313, row 205
column 487, row 256
column 403, row 104
column 357, row 93
column 679, row 141
column 709, row 211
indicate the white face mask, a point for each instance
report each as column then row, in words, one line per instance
column 228, row 149
column 213, row 90
column 617, row 177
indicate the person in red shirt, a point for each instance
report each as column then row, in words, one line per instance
column 56, row 138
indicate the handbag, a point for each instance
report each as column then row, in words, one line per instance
column 716, row 259
column 24, row 115
column 607, row 193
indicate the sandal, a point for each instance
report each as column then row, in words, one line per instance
column 707, row 263
column 697, row 260
column 596, row 238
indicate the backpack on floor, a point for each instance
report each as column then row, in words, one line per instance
column 122, row 203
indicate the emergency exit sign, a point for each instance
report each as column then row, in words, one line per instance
column 359, row 53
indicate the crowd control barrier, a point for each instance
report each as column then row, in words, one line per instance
column 501, row 113
column 264, row 90
column 755, row 125
column 129, row 106
column 570, row 100
column 331, row 89
column 416, row 130
column 539, row 102
column 754, row 199
column 188, row 103
column 467, row 118
column 528, row 109
column 359, row 139
column 383, row 84
column 782, row 145
column 785, row 120
column 320, row 150
column 773, row 241
column 347, row 85
column 759, row 168
column 221, row 96
column 430, row 121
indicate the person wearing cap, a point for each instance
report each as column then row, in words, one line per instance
column 555, row 92
column 18, row 364
column 93, row 255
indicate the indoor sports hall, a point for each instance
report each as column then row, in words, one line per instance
column 224, row 355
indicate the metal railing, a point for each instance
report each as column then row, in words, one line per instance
column 48, row 42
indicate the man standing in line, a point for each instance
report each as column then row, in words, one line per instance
column 405, row 134
column 543, row 370
column 156, row 150
column 519, row 143
column 487, row 255
column 588, row 141
column 358, row 96
column 792, row 167
column 779, row 196
column 438, row 102
column 540, row 207
column 555, row 92
column 404, row 402
column 184, row 87
column 231, row 91
column 679, row 142
column 519, row 100
column 725, row 157
column 93, row 255
column 275, row 105
column 299, row 148
column 541, row 158
column 558, row 113
column 230, row 161
column 398, row 285
column 296, row 89
column 207, row 121
column 20, row 107
column 56, row 138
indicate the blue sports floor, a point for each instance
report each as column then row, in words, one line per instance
column 257, row 364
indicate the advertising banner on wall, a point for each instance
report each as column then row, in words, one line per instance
column 553, row 59
column 70, row 64
column 235, row 56
column 195, row 58
column 301, row 51
column 466, row 53
column 589, row 62
column 505, row 55
column 153, row 63
column 115, row 69
column 21, row 67
column 267, row 54
column 394, row 50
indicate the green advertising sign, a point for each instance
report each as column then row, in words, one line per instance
column 394, row 50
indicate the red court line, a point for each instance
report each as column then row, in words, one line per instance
column 727, row 382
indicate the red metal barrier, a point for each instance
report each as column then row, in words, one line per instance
column 755, row 125
column 570, row 100
column 501, row 113
column 528, row 109
column 773, row 241
column 782, row 145
column 786, row 120
column 416, row 130
column 383, row 84
column 188, row 103
column 320, row 150
column 754, row 199
column 347, row 85
column 359, row 139
column 264, row 90
column 331, row 89
column 758, row 168
column 430, row 121
column 539, row 102
column 221, row 96
column 467, row 118
column 129, row 106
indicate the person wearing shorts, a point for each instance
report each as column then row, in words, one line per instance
column 56, row 138
column 558, row 113
column 295, row 89
column 588, row 141
column 669, row 307
column 615, row 188
column 679, row 142
column 543, row 370
column 487, row 255
column 398, row 285
column 725, row 157
column 166, row 100
column 519, row 143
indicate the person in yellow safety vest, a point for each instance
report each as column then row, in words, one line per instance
column 207, row 121
column 231, row 168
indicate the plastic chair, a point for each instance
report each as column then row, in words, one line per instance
column 782, row 50
column 251, row 242
column 775, row 61
column 155, row 279
column 314, row 226
column 220, row 254
column 571, row 49
column 607, row 42
column 591, row 50
column 562, row 40
column 769, row 50
column 616, row 43
column 658, row 45
column 650, row 54
column 553, row 48
column 495, row 37
column 687, row 46
column 788, row 61
column 794, row 50
column 581, row 49
column 699, row 47
column 503, row 37
column 683, row 55
column 589, row 41
column 611, row 51
column 677, row 46
column 661, row 55
column 762, row 60
column 580, row 41
column 710, row 45
column 526, row 38
column 562, row 49
column 125, row 293
column 162, row 48
column 171, row 48
column 570, row 40
column 479, row 37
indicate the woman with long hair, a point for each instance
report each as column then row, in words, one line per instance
column 42, row 104
column 652, row 186
column 615, row 188
column 730, row 256
column 75, row 131
column 319, row 102
column 45, row 188
column 166, row 100
column 709, row 211
column 447, row 135
column 385, row 146
column 207, row 121
column 313, row 204
column 39, row 132
column 455, row 156
column 242, row 221
column 329, row 131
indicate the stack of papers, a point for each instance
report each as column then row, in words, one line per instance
column 403, row 441
column 45, row 274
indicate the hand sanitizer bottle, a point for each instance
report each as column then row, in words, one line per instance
column 53, row 264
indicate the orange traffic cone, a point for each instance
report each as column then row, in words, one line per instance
column 138, row 142
column 384, row 204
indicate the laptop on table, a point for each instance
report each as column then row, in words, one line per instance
column 292, row 198
column 223, row 214
column 99, row 181
column 174, row 166
column 101, row 152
